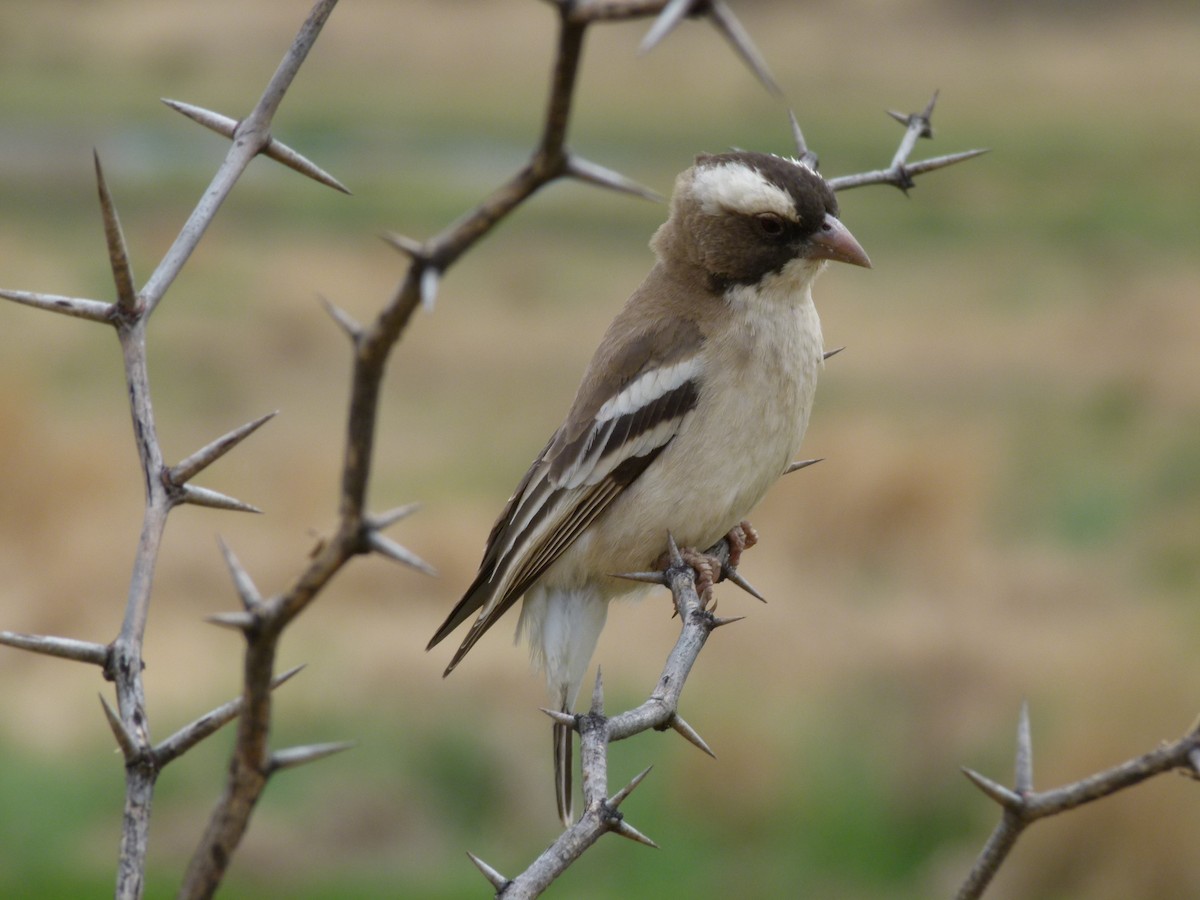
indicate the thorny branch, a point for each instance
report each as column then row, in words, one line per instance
column 1022, row 805
column 166, row 487
column 601, row 813
column 262, row 621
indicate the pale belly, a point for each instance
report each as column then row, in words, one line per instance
column 713, row 473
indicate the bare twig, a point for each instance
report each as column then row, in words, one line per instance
column 597, row 732
column 1022, row 806
column 262, row 621
column 900, row 172
column 251, row 136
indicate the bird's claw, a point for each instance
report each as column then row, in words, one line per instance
column 710, row 570
column 741, row 538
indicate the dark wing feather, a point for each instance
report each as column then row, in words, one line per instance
column 615, row 432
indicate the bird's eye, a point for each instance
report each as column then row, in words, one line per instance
column 769, row 224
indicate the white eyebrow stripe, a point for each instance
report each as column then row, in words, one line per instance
column 735, row 187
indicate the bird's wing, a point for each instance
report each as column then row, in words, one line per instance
column 620, row 422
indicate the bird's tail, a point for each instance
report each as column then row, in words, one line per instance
column 563, row 766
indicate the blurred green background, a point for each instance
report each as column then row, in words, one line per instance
column 1009, row 508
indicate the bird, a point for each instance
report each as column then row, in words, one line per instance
column 694, row 403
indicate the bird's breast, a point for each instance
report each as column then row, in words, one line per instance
column 755, row 398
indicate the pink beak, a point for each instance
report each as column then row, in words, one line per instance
column 834, row 241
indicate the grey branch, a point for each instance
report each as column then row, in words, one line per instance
column 597, row 732
column 262, row 621
column 1022, row 805
column 252, row 136
column 600, row 814
column 900, row 172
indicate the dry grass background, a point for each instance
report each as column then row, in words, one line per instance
column 1010, row 506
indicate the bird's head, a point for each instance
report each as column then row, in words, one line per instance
column 742, row 216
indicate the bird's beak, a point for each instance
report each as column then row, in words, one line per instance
column 834, row 241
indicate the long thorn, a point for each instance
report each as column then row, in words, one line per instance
column 597, row 707
column 299, row 756
column 118, row 252
column 565, row 719
column 77, row 307
column 729, row 573
column 1024, row 767
column 411, row 248
column 63, row 648
column 193, row 465
column 239, row 621
column 344, row 320
column 198, row 496
column 620, row 796
column 222, row 125
column 731, row 29
column 689, row 733
column 644, row 577
column 997, row 792
column 591, row 173
column 498, row 881
column 802, row 464
column 673, row 551
column 246, row 589
column 125, row 740
column 282, row 153
column 672, row 14
column 392, row 516
column 625, row 830
column 385, row 546
column 805, row 155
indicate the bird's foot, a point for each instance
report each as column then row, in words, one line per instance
column 710, row 569
column 708, row 572
column 741, row 538
column 706, row 567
